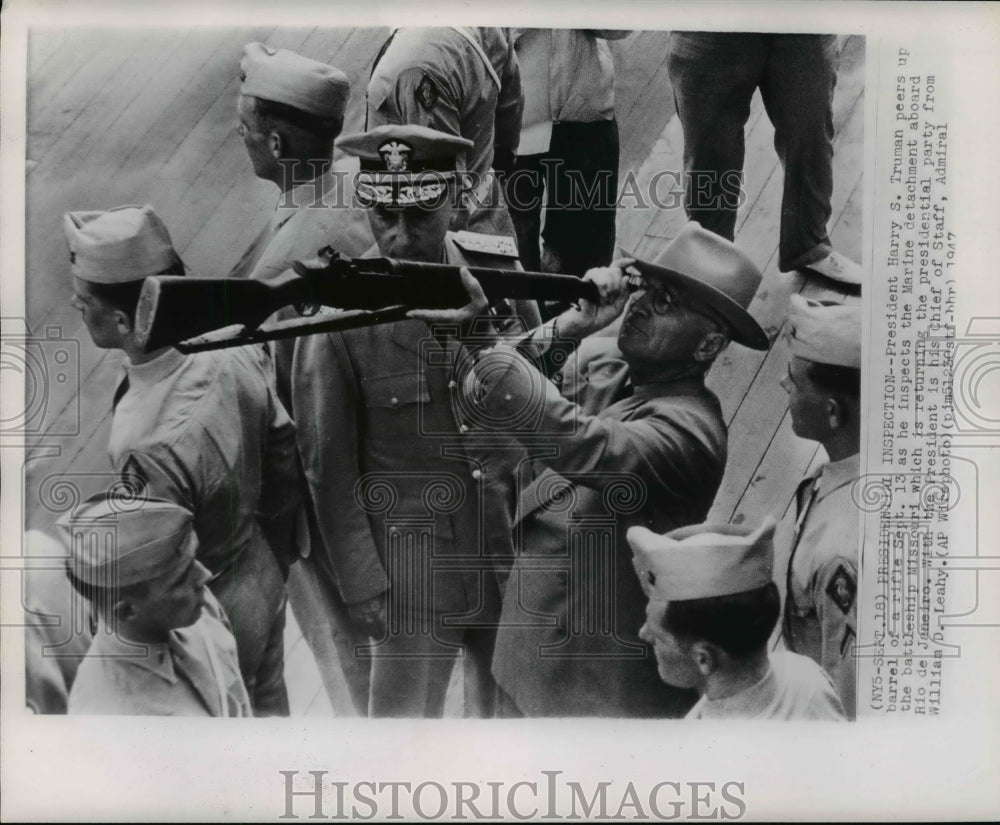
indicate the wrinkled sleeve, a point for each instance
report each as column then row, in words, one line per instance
column 669, row 451
column 327, row 415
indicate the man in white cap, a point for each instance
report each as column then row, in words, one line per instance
column 567, row 643
column 712, row 606
column 820, row 535
column 163, row 646
column 464, row 82
column 291, row 109
column 205, row 431
column 394, row 485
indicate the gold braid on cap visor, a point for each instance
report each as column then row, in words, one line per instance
column 400, row 194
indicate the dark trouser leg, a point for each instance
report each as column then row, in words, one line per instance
column 411, row 671
column 797, row 89
column 714, row 76
column 269, row 696
column 524, row 190
column 582, row 193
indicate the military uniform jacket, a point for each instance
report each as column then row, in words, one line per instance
column 568, row 641
column 401, row 495
column 194, row 673
column 820, row 615
column 207, row 432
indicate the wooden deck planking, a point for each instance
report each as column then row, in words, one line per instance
column 43, row 46
column 94, row 80
column 50, row 80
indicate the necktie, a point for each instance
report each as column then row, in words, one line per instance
column 800, row 522
column 119, row 393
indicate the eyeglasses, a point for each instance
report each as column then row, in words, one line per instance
column 665, row 301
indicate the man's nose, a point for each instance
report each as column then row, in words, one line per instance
column 76, row 303
column 203, row 574
column 644, row 633
column 786, row 384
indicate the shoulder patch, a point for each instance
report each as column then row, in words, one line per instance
column 842, row 589
column 427, row 93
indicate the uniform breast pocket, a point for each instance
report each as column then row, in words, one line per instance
column 396, row 391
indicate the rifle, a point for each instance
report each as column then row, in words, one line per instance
column 197, row 314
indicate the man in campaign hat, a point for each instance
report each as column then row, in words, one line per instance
column 397, row 489
column 163, row 646
column 567, row 643
column 820, row 536
column 712, row 606
column 204, row 431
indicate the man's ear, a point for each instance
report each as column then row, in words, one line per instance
column 705, row 658
column 275, row 144
column 123, row 322
column 710, row 346
column 123, row 611
column 836, row 413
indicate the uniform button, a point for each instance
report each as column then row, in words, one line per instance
column 477, row 474
column 393, row 530
column 452, row 384
column 507, row 397
column 394, row 402
column 463, row 429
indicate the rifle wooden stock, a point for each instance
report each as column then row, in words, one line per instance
column 174, row 309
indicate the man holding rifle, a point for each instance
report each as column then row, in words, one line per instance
column 568, row 641
column 410, row 514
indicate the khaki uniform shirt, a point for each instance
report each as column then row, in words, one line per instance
column 820, row 615
column 194, row 673
column 794, row 687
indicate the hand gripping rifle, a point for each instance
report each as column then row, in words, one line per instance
column 197, row 314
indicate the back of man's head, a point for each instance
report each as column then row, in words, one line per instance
column 300, row 99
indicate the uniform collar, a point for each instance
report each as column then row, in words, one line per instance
column 836, row 474
column 154, row 657
column 749, row 702
column 683, row 385
column 152, row 372
column 315, row 192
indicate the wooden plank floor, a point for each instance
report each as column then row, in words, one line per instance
column 126, row 116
